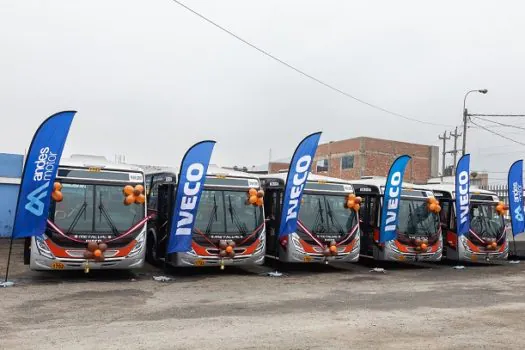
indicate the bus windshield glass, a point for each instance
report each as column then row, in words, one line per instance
column 485, row 220
column 225, row 214
column 326, row 215
column 415, row 219
column 95, row 209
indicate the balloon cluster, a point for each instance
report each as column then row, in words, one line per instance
column 421, row 244
column 331, row 249
column 492, row 244
column 95, row 251
column 255, row 197
column 134, row 194
column 57, row 192
column 433, row 205
column 353, row 202
column 226, row 249
column 501, row 208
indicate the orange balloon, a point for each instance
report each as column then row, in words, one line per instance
column 424, row 246
column 350, row 203
column 92, row 246
column 432, row 207
column 333, row 248
column 57, row 186
column 358, row 200
column 494, row 245
column 260, row 202
column 252, row 192
column 97, row 253
column 260, row 193
column 128, row 190
column 357, row 207
column 139, row 188
column 130, row 199
column 253, row 199
column 57, row 196
column 103, row 247
column 229, row 249
column 140, row 199
column 438, row 208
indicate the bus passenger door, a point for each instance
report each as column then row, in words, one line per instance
column 165, row 203
column 272, row 209
column 368, row 222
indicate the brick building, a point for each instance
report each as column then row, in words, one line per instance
column 365, row 156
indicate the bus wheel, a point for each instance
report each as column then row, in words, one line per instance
column 151, row 250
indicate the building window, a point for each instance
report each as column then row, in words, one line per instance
column 322, row 165
column 347, row 162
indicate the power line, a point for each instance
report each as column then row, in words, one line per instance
column 311, row 77
column 499, row 115
column 502, row 124
column 498, row 134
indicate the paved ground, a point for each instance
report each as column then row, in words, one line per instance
column 313, row 307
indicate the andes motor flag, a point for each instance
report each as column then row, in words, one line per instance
column 515, row 188
column 295, row 182
column 392, row 199
column 38, row 176
column 192, row 175
column 462, row 189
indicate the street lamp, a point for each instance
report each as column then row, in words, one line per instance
column 465, row 117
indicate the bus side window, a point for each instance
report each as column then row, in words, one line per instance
column 372, row 219
column 153, row 196
column 452, row 219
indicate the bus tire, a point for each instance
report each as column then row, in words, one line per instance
column 27, row 251
column 151, row 250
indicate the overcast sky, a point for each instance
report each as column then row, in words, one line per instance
column 149, row 78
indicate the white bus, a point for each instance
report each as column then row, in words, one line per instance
column 327, row 230
column 486, row 240
column 224, row 218
column 92, row 209
column 418, row 231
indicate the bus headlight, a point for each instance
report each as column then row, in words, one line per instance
column 42, row 247
column 141, row 239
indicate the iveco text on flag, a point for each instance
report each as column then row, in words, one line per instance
column 189, row 189
column 463, row 195
column 515, row 188
column 296, row 181
column 392, row 199
column 38, row 177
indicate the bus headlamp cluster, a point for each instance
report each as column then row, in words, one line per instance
column 138, row 246
column 42, row 247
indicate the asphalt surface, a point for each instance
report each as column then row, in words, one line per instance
column 432, row 306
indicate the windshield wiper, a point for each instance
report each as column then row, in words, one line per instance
column 319, row 219
column 103, row 210
column 213, row 216
column 77, row 217
column 335, row 223
column 235, row 218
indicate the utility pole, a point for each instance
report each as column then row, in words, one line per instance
column 455, row 151
column 443, row 137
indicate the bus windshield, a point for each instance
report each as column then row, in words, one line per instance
column 326, row 215
column 225, row 214
column 485, row 220
column 415, row 219
column 95, row 209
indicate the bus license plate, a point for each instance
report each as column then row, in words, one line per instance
column 57, row 266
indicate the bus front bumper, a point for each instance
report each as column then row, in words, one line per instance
column 43, row 259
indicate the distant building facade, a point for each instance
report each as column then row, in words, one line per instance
column 365, row 156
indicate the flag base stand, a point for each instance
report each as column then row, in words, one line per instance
column 459, row 267
column 6, row 284
column 514, row 261
column 274, row 274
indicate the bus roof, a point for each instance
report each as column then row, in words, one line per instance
column 311, row 177
column 379, row 182
column 91, row 161
column 213, row 170
column 450, row 189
